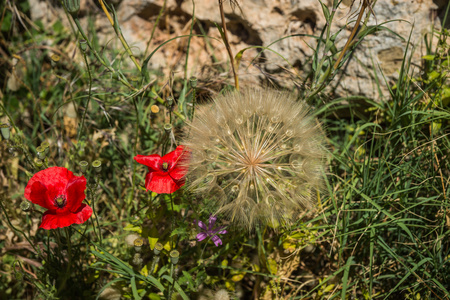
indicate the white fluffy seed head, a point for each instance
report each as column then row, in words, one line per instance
column 222, row 295
column 257, row 154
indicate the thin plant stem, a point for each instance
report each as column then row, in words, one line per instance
column 227, row 45
column 155, row 25
column 352, row 35
column 173, row 220
column 193, row 103
column 89, row 96
column 18, row 230
column 80, row 29
column 99, row 234
column 95, row 212
column 120, row 35
column 69, row 251
column 135, row 148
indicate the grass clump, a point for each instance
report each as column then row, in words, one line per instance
column 379, row 230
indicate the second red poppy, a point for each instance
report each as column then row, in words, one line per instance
column 165, row 174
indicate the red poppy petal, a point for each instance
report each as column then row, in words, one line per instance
column 174, row 156
column 161, row 184
column 148, row 179
column 38, row 194
column 152, row 161
column 52, row 175
column 178, row 172
column 53, row 179
column 52, row 220
column 75, row 193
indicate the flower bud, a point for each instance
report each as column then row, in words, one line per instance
column 174, row 256
column 168, row 127
column 158, row 248
column 137, row 260
column 97, row 165
column 45, row 144
column 193, row 82
column 138, row 243
column 40, row 151
column 169, row 101
column 25, row 205
column 72, row 6
column 39, row 163
column 83, row 45
column 83, row 166
column 154, row 109
column 5, row 130
column 55, row 58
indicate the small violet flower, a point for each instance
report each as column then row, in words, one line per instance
column 210, row 232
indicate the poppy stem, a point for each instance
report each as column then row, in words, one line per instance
column 37, row 250
column 69, row 250
column 95, row 212
column 173, row 220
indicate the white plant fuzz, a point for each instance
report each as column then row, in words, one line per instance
column 258, row 154
column 222, row 295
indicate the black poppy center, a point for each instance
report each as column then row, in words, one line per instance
column 165, row 166
column 60, row 201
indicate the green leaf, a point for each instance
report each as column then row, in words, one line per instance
column 345, row 277
column 433, row 75
column 428, row 57
column 152, row 242
column 325, row 10
column 177, row 287
column 131, row 227
column 134, row 289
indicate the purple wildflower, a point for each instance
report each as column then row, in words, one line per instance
column 210, row 232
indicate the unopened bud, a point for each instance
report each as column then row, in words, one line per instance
column 174, row 256
column 25, row 205
column 137, row 260
column 55, row 57
column 83, row 45
column 39, row 163
column 154, row 109
column 5, row 130
column 40, row 151
column 169, row 101
column 72, row 6
column 83, row 166
column 158, row 248
column 193, row 82
column 97, row 165
column 138, row 243
column 45, row 144
column 168, row 127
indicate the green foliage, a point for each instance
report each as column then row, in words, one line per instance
column 381, row 231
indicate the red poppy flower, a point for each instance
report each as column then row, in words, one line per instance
column 165, row 175
column 62, row 194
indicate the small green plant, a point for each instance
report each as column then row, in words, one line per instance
column 95, row 148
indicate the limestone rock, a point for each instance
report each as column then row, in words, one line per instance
column 263, row 23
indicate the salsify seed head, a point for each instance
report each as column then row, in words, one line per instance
column 258, row 155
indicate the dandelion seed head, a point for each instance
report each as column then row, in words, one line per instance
column 258, row 153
